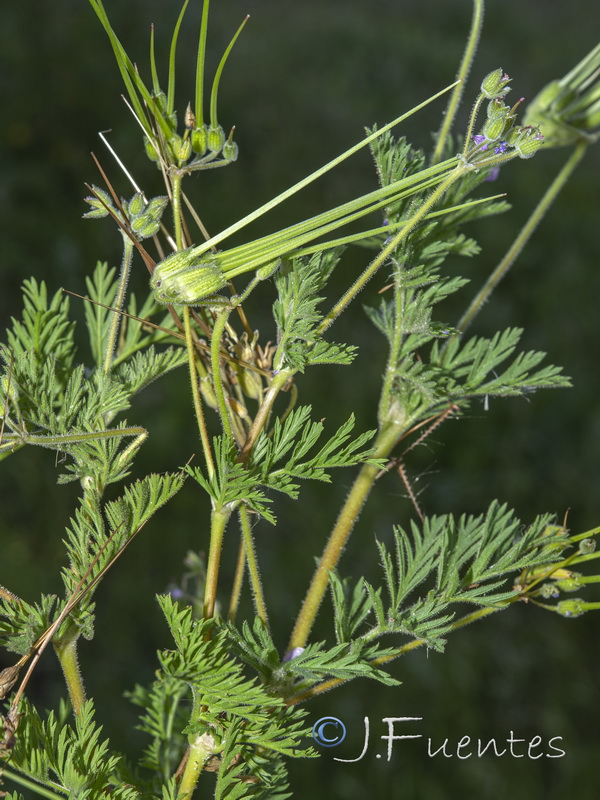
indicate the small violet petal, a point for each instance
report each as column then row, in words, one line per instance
column 297, row 651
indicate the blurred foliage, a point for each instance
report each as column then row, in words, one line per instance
column 303, row 81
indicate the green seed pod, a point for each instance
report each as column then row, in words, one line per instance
column 496, row 108
column 570, row 584
column 151, row 150
column 495, row 84
column 590, row 120
column 587, row 546
column 207, row 391
column 145, row 225
column 99, row 205
column 529, row 143
column 136, row 204
column 157, row 205
column 181, row 148
column 175, row 263
column 230, row 151
column 186, row 278
column 494, row 128
column 216, row 138
column 199, row 140
column 571, row 608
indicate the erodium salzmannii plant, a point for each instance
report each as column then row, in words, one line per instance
column 226, row 708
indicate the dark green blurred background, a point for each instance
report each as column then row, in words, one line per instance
column 302, row 82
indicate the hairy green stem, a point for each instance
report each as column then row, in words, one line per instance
column 387, row 251
column 462, row 74
column 199, row 100
column 215, row 360
column 176, row 179
column 218, row 523
column 208, row 457
column 255, row 582
column 472, row 119
column 387, row 439
column 522, row 239
column 118, row 303
column 34, row 786
column 238, row 580
column 66, row 650
column 199, row 752
column 376, row 662
column 260, row 420
column 74, row 438
column 392, row 362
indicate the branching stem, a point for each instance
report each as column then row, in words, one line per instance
column 215, row 358
column 118, row 303
column 66, row 650
column 218, row 523
column 255, row 582
column 334, row 548
column 208, row 457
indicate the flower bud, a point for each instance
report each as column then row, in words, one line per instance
column 495, row 84
column 549, row 591
column 190, row 117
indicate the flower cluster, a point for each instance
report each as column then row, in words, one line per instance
column 141, row 215
column 499, row 130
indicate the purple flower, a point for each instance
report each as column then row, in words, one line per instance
column 297, row 651
column 479, row 138
column 494, row 172
column 501, row 147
